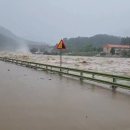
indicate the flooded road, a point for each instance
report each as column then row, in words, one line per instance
column 36, row 100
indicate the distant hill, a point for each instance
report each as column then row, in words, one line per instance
column 7, row 33
column 11, row 42
column 8, row 40
column 97, row 41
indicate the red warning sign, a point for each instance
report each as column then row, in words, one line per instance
column 61, row 45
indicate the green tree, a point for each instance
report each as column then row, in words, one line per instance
column 128, row 53
column 89, row 47
column 125, row 41
column 112, row 51
column 125, row 53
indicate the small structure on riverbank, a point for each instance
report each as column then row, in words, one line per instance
column 116, row 49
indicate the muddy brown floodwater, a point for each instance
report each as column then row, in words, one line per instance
column 36, row 100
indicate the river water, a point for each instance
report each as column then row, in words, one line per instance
column 36, row 100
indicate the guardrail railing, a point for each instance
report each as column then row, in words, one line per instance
column 113, row 80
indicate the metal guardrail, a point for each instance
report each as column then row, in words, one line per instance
column 114, row 80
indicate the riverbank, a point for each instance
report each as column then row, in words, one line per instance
column 117, row 66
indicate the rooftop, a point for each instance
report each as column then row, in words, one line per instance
column 116, row 46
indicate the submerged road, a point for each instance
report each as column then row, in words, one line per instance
column 36, row 100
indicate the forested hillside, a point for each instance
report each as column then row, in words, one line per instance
column 88, row 43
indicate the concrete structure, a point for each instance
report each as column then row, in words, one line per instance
column 118, row 48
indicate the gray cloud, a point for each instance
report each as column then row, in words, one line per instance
column 51, row 20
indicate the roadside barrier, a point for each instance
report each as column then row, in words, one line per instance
column 113, row 80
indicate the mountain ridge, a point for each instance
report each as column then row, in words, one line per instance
column 9, row 41
column 97, row 41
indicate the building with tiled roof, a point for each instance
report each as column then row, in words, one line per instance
column 118, row 48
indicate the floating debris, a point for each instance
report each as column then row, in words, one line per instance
column 41, row 78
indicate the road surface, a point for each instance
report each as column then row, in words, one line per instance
column 36, row 100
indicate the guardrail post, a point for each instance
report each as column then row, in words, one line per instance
column 81, row 76
column 67, row 71
column 113, row 86
column 93, row 76
column 46, row 67
column 35, row 66
column 28, row 64
column 60, row 71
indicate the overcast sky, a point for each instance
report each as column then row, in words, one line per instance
column 51, row 20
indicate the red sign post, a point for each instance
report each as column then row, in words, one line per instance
column 61, row 46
